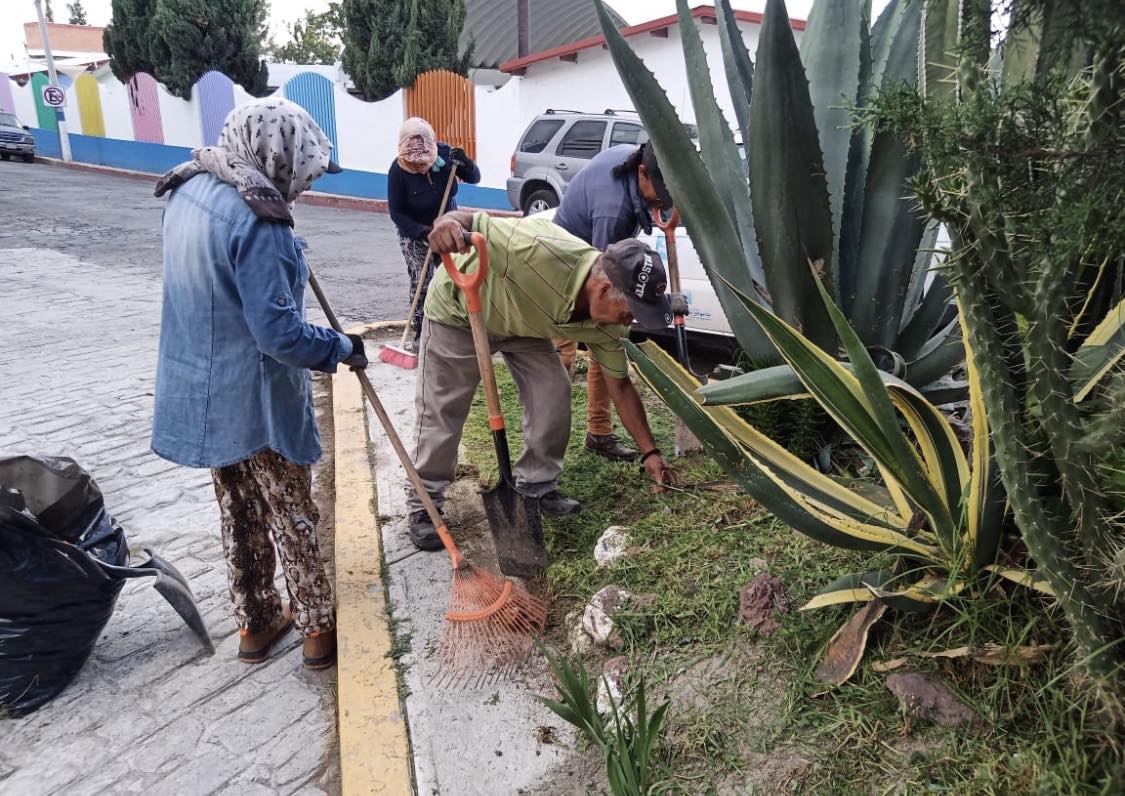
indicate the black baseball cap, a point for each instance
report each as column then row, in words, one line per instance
column 636, row 270
column 655, row 175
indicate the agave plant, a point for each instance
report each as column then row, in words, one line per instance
column 817, row 189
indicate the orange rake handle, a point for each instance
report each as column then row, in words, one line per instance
column 470, row 283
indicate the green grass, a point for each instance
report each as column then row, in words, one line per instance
column 752, row 728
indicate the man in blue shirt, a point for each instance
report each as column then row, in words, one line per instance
column 609, row 201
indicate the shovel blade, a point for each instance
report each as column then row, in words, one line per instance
column 173, row 587
column 517, row 530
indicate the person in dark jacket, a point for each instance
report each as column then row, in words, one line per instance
column 415, row 185
column 610, row 200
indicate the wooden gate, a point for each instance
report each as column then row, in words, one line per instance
column 447, row 101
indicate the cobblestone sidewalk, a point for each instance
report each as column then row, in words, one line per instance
column 150, row 712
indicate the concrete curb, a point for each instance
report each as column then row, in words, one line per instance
column 375, row 752
column 315, row 198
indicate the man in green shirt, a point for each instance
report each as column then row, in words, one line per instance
column 543, row 283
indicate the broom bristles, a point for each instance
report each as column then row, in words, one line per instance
column 490, row 626
column 393, row 355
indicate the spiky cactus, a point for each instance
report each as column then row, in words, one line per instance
column 1026, row 173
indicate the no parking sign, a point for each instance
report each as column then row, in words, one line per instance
column 53, row 96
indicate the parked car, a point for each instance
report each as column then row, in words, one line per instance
column 15, row 139
column 558, row 144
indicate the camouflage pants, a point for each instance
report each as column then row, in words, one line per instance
column 262, row 497
column 414, row 252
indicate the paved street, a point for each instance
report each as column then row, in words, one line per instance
column 79, row 317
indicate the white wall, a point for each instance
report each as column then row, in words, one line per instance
column 115, row 107
column 498, row 132
column 592, row 83
column 24, row 101
column 179, row 118
column 367, row 131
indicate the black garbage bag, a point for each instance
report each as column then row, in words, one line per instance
column 63, row 562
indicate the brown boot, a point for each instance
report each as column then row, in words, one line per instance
column 320, row 650
column 610, row 447
column 255, row 647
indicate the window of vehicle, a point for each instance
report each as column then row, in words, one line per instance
column 582, row 140
column 627, row 133
column 9, row 120
column 539, row 135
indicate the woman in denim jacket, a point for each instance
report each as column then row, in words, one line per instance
column 233, row 391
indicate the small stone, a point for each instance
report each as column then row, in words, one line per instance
column 597, row 618
column 761, row 601
column 925, row 697
column 609, row 684
column 611, row 545
column 580, row 642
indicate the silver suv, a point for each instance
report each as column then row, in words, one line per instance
column 555, row 147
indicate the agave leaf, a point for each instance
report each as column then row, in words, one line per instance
column 814, row 505
column 942, row 352
column 922, row 326
column 790, row 195
column 701, row 206
column 920, row 274
column 853, row 588
column 937, row 56
column 739, row 67
column 833, row 48
column 1023, row 577
column 985, row 499
column 768, row 384
column 1099, row 353
column 720, row 153
column 883, row 35
column 846, row 647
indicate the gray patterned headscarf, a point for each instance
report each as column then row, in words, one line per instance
column 270, row 149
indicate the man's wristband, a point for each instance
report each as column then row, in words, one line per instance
column 653, row 452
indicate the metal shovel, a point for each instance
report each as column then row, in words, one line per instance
column 513, row 518
column 686, row 441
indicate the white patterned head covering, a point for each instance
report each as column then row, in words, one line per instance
column 270, row 149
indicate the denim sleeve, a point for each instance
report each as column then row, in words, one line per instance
column 266, row 268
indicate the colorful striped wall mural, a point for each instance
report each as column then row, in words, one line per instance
column 46, row 115
column 144, row 106
column 215, row 92
column 315, row 94
column 90, row 105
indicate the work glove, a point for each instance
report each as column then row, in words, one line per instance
column 464, row 163
column 358, row 358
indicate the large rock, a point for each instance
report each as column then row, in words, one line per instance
column 597, row 618
column 611, row 683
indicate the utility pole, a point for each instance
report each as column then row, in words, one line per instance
column 60, row 114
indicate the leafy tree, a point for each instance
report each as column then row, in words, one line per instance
column 432, row 35
column 191, row 37
column 317, row 39
column 49, row 12
column 126, row 38
column 388, row 43
column 77, row 13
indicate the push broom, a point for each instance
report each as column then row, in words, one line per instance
column 397, row 355
column 490, row 622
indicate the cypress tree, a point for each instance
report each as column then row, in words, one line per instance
column 388, row 43
column 432, row 34
column 190, row 37
column 126, row 38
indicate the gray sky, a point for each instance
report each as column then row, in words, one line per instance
column 16, row 12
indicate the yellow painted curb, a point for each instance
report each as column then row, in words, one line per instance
column 374, row 750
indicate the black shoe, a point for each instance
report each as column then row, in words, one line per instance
column 555, row 504
column 423, row 533
column 610, row 447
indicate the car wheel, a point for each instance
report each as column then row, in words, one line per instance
column 29, row 158
column 5, row 156
column 539, row 201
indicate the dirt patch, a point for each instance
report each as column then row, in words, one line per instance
column 581, row 773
